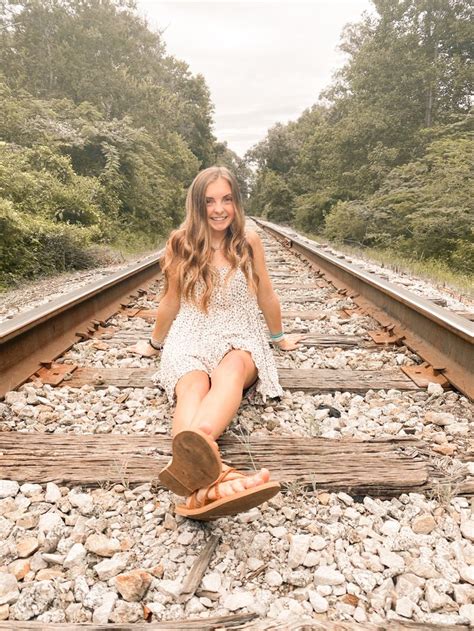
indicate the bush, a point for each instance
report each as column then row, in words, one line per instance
column 348, row 222
column 311, row 210
column 33, row 247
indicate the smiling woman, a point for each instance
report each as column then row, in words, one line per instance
column 213, row 344
column 220, row 210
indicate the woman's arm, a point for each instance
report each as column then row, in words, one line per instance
column 166, row 313
column 268, row 301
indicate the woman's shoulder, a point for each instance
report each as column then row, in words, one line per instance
column 252, row 236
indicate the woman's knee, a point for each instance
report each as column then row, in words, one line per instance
column 235, row 366
column 195, row 382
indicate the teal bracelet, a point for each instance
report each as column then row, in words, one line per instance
column 277, row 336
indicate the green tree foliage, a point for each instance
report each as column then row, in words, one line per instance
column 382, row 158
column 423, row 209
column 101, row 132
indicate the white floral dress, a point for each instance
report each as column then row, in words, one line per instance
column 198, row 341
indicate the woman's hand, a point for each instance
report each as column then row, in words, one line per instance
column 143, row 348
column 290, row 342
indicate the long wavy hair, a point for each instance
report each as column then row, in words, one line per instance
column 188, row 251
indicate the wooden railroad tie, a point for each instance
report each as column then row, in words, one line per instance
column 317, row 340
column 382, row 468
column 243, row 622
column 308, row 380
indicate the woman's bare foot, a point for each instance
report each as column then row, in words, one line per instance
column 235, row 483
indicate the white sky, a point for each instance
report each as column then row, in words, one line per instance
column 264, row 62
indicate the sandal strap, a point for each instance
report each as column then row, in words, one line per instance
column 195, row 503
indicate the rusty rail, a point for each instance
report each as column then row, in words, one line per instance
column 39, row 336
column 440, row 337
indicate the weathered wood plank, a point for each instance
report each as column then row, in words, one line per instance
column 327, row 380
column 150, row 314
column 199, row 568
column 383, row 468
column 320, row 284
column 203, row 624
column 228, row 622
column 328, row 625
column 309, row 380
column 310, row 339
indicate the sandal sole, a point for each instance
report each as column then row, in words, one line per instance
column 232, row 505
column 196, row 463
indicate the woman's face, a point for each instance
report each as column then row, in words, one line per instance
column 219, row 206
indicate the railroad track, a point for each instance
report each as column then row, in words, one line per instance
column 373, row 431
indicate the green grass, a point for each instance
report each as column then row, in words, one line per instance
column 435, row 271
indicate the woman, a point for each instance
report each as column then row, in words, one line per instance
column 215, row 282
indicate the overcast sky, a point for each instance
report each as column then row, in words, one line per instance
column 264, row 62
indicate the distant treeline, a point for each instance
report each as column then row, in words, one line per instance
column 385, row 158
column 101, row 132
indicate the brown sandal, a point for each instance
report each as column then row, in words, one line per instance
column 239, row 502
column 195, row 464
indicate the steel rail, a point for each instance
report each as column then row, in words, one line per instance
column 440, row 337
column 42, row 334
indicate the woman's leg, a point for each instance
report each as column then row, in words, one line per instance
column 190, row 390
column 216, row 408
column 235, row 372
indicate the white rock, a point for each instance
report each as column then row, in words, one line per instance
column 185, row 538
column 28, row 490
column 299, row 547
column 273, row 578
column 82, row 501
column 434, row 599
column 423, row 568
column 404, row 607
column 170, row 588
column 390, row 527
column 318, row 543
column 111, row 567
column 34, row 599
column 360, row 615
column 467, row 611
column 410, row 586
column 8, row 588
column 365, row 579
column 435, row 389
column 8, row 488
column 312, row 559
column 101, row 545
column 238, row 600
column 467, row 529
column 464, row 594
column 344, row 497
column 49, row 521
column 391, row 560
column 53, row 493
column 75, row 556
column 279, row 532
column 212, row 582
column 12, row 397
column 374, row 507
column 318, row 602
column 101, row 614
column 326, row 575
column 466, row 572
column 324, row 590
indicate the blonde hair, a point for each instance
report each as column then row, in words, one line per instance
column 188, row 251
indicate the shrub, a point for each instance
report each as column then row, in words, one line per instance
column 348, row 222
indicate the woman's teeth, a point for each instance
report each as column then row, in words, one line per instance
column 218, row 218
